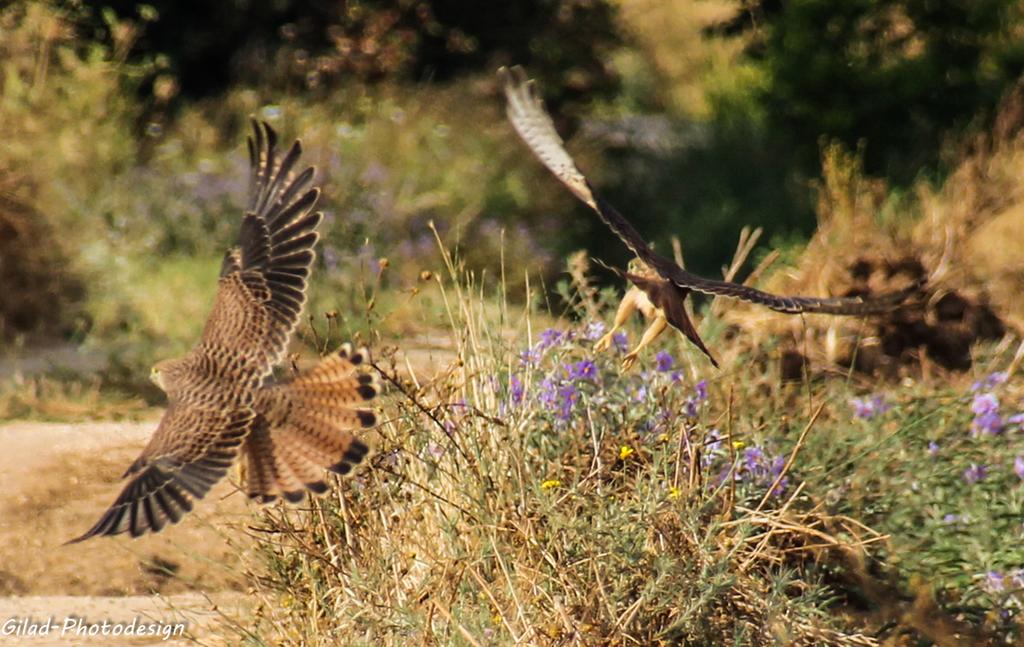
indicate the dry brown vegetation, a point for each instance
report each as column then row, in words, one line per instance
column 963, row 238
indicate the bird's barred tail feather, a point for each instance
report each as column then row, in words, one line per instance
column 310, row 425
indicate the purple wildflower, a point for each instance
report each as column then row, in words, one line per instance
column 692, row 404
column 975, row 473
column 435, row 450
column 516, row 390
column 933, row 448
column 986, row 415
column 582, row 370
column 1018, row 467
column 1016, row 421
column 690, row 408
column 594, row 330
column 862, row 409
column 868, row 408
column 663, row 361
column 758, row 468
column 774, row 471
column 641, row 394
column 530, row 356
column 676, row 376
column 549, row 338
column 702, row 390
column 985, row 403
column 951, row 518
column 994, row 582
column 712, row 449
column 620, row 341
column 990, row 423
column 781, row 487
column 752, row 458
column 548, row 395
column 989, row 382
column 567, row 397
column 713, row 441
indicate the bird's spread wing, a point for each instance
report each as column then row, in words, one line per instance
column 190, row 451
column 263, row 280
column 526, row 111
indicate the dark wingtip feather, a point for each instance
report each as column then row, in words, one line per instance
column 358, row 357
column 357, row 451
column 295, row 497
column 88, row 534
column 366, row 417
column 341, row 468
column 354, row 454
column 271, row 136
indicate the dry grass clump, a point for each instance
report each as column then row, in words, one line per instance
column 960, row 237
column 543, row 497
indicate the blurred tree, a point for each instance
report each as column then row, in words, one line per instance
column 292, row 44
column 901, row 75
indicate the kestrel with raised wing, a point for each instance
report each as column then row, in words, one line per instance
column 223, row 400
column 661, row 284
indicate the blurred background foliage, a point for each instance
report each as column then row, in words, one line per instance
column 123, row 170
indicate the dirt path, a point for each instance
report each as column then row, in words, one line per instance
column 56, row 479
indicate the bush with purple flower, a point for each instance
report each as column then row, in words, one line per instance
column 663, row 361
column 868, row 408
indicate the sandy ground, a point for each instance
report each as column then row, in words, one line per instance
column 56, row 480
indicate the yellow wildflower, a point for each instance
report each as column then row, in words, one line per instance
column 625, row 452
column 550, row 483
column 674, row 492
column 738, row 444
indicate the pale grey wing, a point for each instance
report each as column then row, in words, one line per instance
column 191, row 450
column 526, row 111
column 263, row 281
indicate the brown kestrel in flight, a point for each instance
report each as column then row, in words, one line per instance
column 223, row 401
column 661, row 285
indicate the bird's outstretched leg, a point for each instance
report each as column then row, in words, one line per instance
column 628, row 305
column 656, row 328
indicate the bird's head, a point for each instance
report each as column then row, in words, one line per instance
column 159, row 374
column 638, row 267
